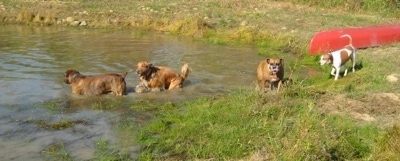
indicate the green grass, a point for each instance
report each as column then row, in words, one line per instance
column 388, row 144
column 108, row 103
column 285, row 126
column 54, row 105
column 385, row 7
column 56, row 152
column 105, row 152
column 238, row 125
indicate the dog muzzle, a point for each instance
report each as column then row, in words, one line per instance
column 274, row 69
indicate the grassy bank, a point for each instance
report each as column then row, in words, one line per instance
column 382, row 7
column 314, row 119
column 269, row 25
column 246, row 125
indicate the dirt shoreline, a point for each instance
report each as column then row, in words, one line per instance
column 250, row 22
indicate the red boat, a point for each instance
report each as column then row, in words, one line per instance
column 362, row 37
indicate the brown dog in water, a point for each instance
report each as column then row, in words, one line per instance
column 96, row 85
column 270, row 72
column 158, row 78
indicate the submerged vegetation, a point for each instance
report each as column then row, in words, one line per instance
column 313, row 119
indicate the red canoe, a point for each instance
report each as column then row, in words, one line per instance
column 363, row 37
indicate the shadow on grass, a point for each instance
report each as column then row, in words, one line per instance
column 358, row 66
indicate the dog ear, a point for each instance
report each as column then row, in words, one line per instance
column 67, row 72
column 268, row 60
column 281, row 61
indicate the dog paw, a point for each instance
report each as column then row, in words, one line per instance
column 141, row 89
column 156, row 90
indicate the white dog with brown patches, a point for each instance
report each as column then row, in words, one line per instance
column 339, row 58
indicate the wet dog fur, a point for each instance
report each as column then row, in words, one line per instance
column 270, row 72
column 159, row 78
column 96, row 84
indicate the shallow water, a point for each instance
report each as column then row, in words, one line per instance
column 32, row 65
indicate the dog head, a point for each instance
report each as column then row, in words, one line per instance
column 274, row 65
column 143, row 69
column 70, row 75
column 325, row 59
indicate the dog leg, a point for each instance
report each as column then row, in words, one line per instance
column 333, row 71
column 259, row 87
column 270, row 86
column 262, row 84
column 118, row 90
column 279, row 86
column 345, row 72
column 353, row 60
column 175, row 83
column 337, row 73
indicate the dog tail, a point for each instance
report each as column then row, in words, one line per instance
column 185, row 71
column 350, row 39
column 123, row 75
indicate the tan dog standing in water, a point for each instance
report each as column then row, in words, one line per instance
column 158, row 78
column 96, row 85
column 270, row 72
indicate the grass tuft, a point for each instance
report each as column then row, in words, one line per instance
column 388, row 146
column 25, row 16
column 105, row 151
column 56, row 152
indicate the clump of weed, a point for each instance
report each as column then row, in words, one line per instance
column 108, row 104
column 104, row 151
column 61, row 125
column 149, row 105
column 53, row 105
column 189, row 26
column 44, row 18
column 388, row 145
column 56, row 152
column 25, row 16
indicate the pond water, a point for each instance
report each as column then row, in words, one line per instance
column 32, row 65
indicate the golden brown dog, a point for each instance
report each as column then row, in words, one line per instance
column 96, row 85
column 270, row 72
column 158, row 78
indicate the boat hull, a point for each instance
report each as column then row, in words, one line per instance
column 362, row 37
